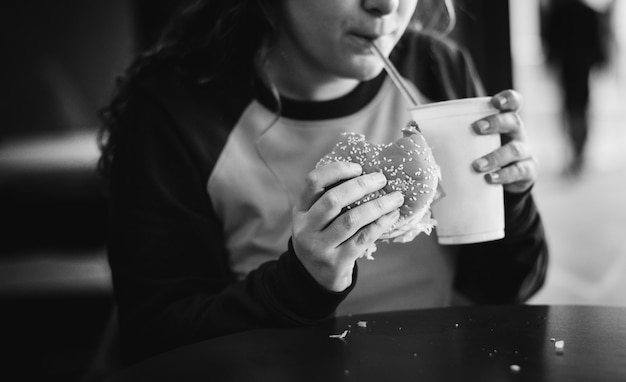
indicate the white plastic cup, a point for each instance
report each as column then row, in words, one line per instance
column 472, row 210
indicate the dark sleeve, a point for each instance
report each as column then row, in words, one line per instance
column 171, row 277
column 509, row 270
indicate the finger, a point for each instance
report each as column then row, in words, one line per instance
column 350, row 222
column 507, row 100
column 366, row 236
column 511, row 152
column 318, row 180
column 334, row 200
column 517, row 177
column 509, row 123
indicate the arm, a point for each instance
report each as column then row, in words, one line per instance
column 172, row 281
column 512, row 269
column 509, row 270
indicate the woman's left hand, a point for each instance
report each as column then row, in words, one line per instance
column 511, row 165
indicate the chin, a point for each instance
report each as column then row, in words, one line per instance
column 367, row 71
column 370, row 75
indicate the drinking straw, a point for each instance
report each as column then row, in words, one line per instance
column 395, row 77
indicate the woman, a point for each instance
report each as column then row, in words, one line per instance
column 219, row 220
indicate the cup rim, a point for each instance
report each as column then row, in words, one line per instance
column 461, row 106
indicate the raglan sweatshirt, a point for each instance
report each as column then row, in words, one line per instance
column 202, row 187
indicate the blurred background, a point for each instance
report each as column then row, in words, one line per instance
column 59, row 65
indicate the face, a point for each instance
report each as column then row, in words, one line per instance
column 326, row 39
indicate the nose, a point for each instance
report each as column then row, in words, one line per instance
column 380, row 7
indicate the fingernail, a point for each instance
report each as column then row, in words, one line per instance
column 481, row 164
column 482, row 126
column 398, row 199
column 355, row 167
column 502, row 101
column 379, row 179
column 494, row 176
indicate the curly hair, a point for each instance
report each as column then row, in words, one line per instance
column 205, row 41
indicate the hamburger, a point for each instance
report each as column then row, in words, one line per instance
column 409, row 166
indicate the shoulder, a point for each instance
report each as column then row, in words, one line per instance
column 428, row 47
column 183, row 97
column 438, row 66
column 432, row 42
column 167, row 109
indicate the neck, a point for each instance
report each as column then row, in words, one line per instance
column 299, row 82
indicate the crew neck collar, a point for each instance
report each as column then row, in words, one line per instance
column 339, row 107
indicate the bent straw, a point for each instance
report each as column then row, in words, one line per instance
column 395, row 76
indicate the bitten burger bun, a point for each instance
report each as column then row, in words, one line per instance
column 409, row 166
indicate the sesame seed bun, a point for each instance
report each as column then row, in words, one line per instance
column 409, row 166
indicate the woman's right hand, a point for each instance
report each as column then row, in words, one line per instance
column 328, row 242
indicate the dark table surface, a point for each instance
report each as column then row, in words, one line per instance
column 492, row 343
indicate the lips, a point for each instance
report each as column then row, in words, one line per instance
column 362, row 42
column 365, row 38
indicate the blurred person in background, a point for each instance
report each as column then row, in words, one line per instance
column 576, row 41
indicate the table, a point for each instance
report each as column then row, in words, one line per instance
column 490, row 343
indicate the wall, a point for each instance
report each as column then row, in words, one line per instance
column 59, row 59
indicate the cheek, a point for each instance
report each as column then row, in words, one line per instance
column 406, row 12
column 312, row 17
column 312, row 28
